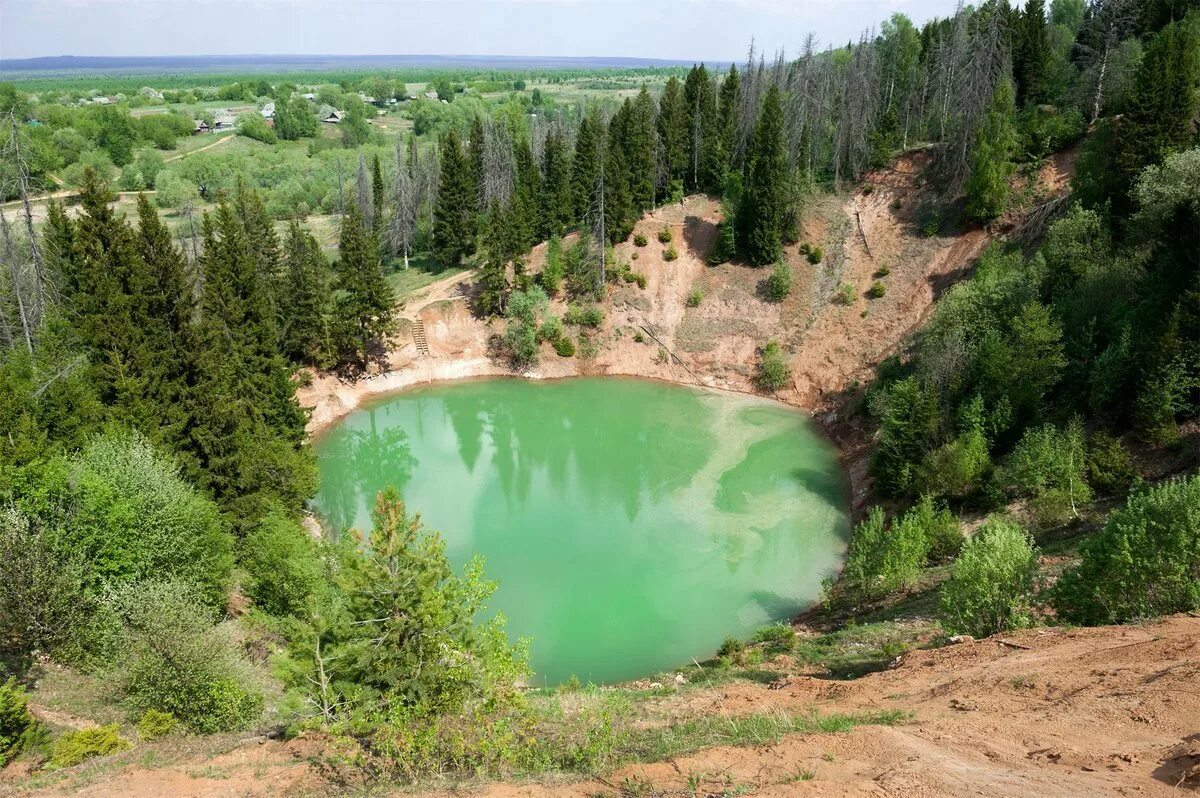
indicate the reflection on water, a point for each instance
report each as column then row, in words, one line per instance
column 631, row 525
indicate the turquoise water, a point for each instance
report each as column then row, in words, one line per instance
column 632, row 525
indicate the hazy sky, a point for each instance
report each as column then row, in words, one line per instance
column 682, row 29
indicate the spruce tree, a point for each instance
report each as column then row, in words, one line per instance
column 365, row 302
column 991, row 160
column 556, row 200
column 246, row 436
column 585, row 169
column 453, row 215
column 498, row 249
column 673, row 132
column 1165, row 103
column 639, row 143
column 763, row 209
column 305, row 336
column 169, row 341
column 1031, row 55
column 727, row 115
column 377, row 198
column 619, row 215
column 526, row 195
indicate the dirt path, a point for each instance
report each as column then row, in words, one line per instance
column 216, row 143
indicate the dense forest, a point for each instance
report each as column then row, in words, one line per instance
column 154, row 464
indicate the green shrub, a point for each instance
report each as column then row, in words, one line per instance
column 779, row 284
column 635, row 277
column 883, row 271
column 132, row 517
column 41, row 588
column 815, row 255
column 252, row 125
column 1048, row 466
column 882, row 560
column 665, row 235
column 1109, row 468
column 777, row 638
column 16, row 722
column 634, row 255
column 283, row 563
column 564, row 347
column 154, row 724
column 1145, row 562
column 638, row 338
column 805, row 248
column 932, row 224
column 991, row 583
column 74, row 747
column 551, row 329
column 694, row 298
column 175, row 661
column 773, row 370
column 551, row 276
column 526, row 314
column 731, row 649
column 939, row 527
column 844, row 295
column 589, row 316
column 877, row 290
column 669, row 254
column 640, row 240
column 726, row 244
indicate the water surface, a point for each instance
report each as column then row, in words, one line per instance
column 632, row 525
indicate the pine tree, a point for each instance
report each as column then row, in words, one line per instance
column 764, row 205
column 365, row 304
column 991, row 160
column 305, row 336
column 453, row 215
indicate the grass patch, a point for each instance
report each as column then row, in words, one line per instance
column 417, row 276
column 858, row 650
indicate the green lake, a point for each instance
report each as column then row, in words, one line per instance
column 632, row 525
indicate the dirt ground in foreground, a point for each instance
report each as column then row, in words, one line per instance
column 1108, row 711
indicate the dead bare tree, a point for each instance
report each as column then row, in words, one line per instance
column 496, row 186
column 1106, row 24
column 402, row 226
column 362, row 193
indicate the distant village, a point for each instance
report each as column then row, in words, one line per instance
column 222, row 119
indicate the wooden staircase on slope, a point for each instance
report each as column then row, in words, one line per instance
column 418, row 332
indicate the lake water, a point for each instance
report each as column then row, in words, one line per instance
column 632, row 525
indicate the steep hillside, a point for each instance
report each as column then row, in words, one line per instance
column 873, row 232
